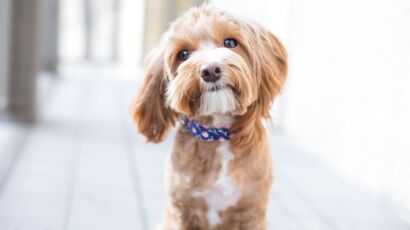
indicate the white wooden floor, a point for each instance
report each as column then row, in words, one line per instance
column 83, row 167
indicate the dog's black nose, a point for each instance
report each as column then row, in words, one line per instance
column 211, row 72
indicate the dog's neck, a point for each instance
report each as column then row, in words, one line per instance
column 210, row 128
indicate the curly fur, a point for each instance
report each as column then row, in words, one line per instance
column 237, row 174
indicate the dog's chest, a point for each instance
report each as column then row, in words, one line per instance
column 222, row 192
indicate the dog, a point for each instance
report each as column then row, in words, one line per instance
column 216, row 74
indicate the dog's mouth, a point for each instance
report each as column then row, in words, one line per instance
column 216, row 88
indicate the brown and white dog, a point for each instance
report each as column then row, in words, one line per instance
column 215, row 70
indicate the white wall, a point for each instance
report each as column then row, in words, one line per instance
column 4, row 33
column 348, row 94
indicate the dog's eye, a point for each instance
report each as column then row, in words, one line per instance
column 230, row 43
column 183, row 55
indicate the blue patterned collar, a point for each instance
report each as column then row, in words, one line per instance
column 205, row 133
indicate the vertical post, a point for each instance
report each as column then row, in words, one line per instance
column 88, row 26
column 183, row 5
column 158, row 15
column 50, row 35
column 24, row 52
column 4, row 52
column 115, row 29
column 155, row 23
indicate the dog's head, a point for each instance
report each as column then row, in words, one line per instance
column 210, row 62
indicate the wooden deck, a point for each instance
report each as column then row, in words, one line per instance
column 83, row 167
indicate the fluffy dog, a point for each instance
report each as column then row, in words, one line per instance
column 217, row 74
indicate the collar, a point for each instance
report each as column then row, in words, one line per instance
column 205, row 133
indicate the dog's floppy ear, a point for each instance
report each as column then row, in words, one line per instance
column 271, row 64
column 150, row 114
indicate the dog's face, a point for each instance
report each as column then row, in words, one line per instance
column 210, row 62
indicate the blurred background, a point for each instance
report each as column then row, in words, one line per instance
column 70, row 157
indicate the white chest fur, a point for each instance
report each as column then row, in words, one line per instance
column 223, row 193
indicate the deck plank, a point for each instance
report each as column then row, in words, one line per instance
column 36, row 192
column 103, row 187
column 149, row 160
column 338, row 204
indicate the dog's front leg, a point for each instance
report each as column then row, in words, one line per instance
column 244, row 219
column 185, row 217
